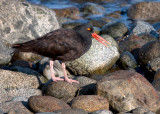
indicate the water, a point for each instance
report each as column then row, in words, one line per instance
column 110, row 7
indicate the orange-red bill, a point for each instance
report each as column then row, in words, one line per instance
column 100, row 39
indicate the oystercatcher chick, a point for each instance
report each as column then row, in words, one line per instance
column 62, row 44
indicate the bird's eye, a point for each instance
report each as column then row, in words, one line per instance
column 89, row 29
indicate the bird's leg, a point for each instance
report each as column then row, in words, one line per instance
column 54, row 78
column 65, row 75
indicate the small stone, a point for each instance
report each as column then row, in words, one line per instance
column 127, row 60
column 71, row 111
column 115, row 30
column 61, row 90
column 154, row 64
column 149, row 51
column 90, row 103
column 87, row 85
column 102, row 112
column 46, row 104
column 98, row 23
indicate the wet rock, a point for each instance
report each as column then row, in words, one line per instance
column 9, row 94
column 69, row 12
column 90, row 103
column 102, row 112
column 46, row 104
column 98, row 23
column 22, row 63
column 10, row 79
column 157, row 74
column 73, row 24
column 154, row 65
column 92, row 8
column 127, row 90
column 71, row 111
column 114, row 15
column 97, row 60
column 5, row 53
column 61, row 90
column 24, row 21
column 140, row 27
column 115, row 30
column 26, row 56
column 133, row 42
column 83, row 1
column 144, row 11
column 15, row 108
column 149, row 51
column 127, row 60
column 87, row 85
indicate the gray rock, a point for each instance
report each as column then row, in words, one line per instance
column 87, row 85
column 154, row 64
column 127, row 60
column 13, row 94
column 19, row 98
column 24, row 21
column 5, row 53
column 15, row 108
column 71, row 111
column 97, row 60
column 102, row 112
column 115, row 29
column 148, row 52
column 141, row 110
column 140, row 27
column 10, row 79
column 93, row 8
column 61, row 90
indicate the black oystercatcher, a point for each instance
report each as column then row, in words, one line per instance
column 62, row 44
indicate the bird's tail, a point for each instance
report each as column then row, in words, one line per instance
column 21, row 47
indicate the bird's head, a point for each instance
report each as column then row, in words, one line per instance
column 87, row 31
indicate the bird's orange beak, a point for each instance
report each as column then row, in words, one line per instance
column 100, row 39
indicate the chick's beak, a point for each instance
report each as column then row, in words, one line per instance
column 100, row 39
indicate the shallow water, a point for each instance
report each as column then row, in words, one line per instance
column 115, row 5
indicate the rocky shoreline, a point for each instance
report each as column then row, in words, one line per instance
column 121, row 79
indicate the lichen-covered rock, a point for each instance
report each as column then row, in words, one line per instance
column 127, row 90
column 97, row 60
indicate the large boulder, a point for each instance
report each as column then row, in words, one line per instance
column 145, row 11
column 97, row 60
column 22, row 21
column 127, row 90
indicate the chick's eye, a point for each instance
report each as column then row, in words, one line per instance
column 88, row 29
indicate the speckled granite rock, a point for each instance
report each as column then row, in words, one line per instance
column 24, row 21
column 15, row 108
column 7, row 95
column 97, row 60
column 144, row 11
column 10, row 79
column 90, row 103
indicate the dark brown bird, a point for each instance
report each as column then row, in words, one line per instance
column 62, row 44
